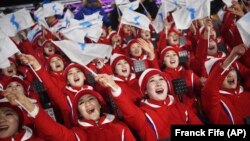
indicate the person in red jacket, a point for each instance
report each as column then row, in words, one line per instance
column 223, row 98
column 153, row 119
column 74, row 78
column 11, row 125
column 91, row 124
column 190, row 93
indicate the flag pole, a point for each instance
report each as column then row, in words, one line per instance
column 229, row 64
column 17, row 101
column 35, row 73
column 144, row 7
column 95, row 74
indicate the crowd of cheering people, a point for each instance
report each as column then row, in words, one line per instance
column 146, row 86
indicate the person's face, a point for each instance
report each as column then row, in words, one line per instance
column 127, row 29
column 75, row 77
column 135, row 50
column 15, row 87
column 145, row 34
column 173, row 38
column 116, row 40
column 50, row 19
column 89, row 107
column 157, row 88
column 10, row 71
column 9, row 122
column 49, row 49
column 212, row 49
column 230, row 82
column 56, row 64
column 104, row 33
column 171, row 59
column 122, row 68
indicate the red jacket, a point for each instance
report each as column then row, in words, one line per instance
column 106, row 129
column 223, row 106
column 152, row 120
column 192, row 82
column 25, row 134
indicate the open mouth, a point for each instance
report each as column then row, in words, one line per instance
column 231, row 81
column 172, row 62
column 211, row 47
column 58, row 66
column 77, row 80
column 10, row 71
column 124, row 70
column 90, row 111
column 159, row 91
column 4, row 128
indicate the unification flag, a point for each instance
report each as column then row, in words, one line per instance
column 83, row 53
column 129, row 6
column 136, row 19
column 12, row 23
column 119, row 2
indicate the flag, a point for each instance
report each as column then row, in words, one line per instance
column 118, row 2
column 83, row 53
column 17, row 21
column 162, row 13
column 131, row 6
column 243, row 27
column 135, row 19
column 7, row 49
column 228, row 2
column 94, row 16
column 194, row 9
column 173, row 4
column 49, row 9
column 201, row 8
column 34, row 32
column 77, row 30
column 1, row 14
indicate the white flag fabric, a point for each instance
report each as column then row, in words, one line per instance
column 14, row 22
column 162, row 13
column 194, row 9
column 131, row 6
column 83, row 53
column 243, row 27
column 201, row 8
column 118, row 2
column 136, row 19
column 78, row 29
column 1, row 14
column 228, row 2
column 173, row 4
column 94, row 16
column 7, row 48
column 49, row 9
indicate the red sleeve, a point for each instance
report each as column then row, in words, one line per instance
column 211, row 96
column 53, row 131
column 53, row 91
column 135, row 117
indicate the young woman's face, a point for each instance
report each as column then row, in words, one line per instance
column 127, row 29
column 173, row 38
column 75, row 77
column 10, row 71
column 9, row 122
column 171, row 59
column 15, row 87
column 89, row 107
column 122, row 68
column 145, row 35
column 56, row 64
column 135, row 50
column 230, row 82
column 49, row 49
column 212, row 49
column 157, row 88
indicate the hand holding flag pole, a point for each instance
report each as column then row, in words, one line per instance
column 236, row 57
column 19, row 103
column 95, row 74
